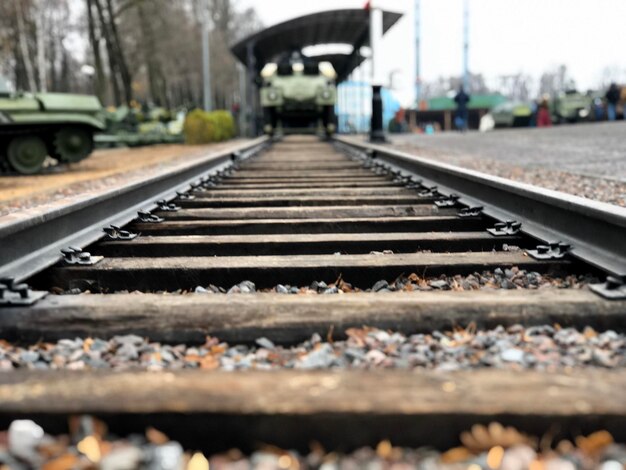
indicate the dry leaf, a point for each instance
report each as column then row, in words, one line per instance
column 62, row 463
column 155, row 436
column 482, row 438
column 594, row 443
column 456, row 455
column 383, row 449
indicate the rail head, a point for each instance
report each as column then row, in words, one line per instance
column 596, row 231
column 30, row 245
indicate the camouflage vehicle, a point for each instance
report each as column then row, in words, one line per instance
column 35, row 125
column 132, row 127
column 298, row 92
column 511, row 114
column 571, row 106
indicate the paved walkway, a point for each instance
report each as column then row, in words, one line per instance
column 587, row 160
column 585, row 149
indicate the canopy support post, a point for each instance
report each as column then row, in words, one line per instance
column 377, row 133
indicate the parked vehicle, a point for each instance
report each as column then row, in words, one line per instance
column 512, row 114
column 35, row 125
column 571, row 106
column 298, row 92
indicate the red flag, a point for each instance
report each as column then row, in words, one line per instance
column 367, row 5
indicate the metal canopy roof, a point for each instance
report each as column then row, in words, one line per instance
column 328, row 27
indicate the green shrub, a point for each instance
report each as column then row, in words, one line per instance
column 202, row 128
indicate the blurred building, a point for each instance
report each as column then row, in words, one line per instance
column 354, row 107
column 439, row 111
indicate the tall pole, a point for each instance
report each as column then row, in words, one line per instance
column 377, row 134
column 418, row 62
column 466, row 20
column 243, row 105
column 206, row 58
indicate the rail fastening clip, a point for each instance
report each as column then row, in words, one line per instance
column 164, row 206
column 450, row 201
column 76, row 256
column 115, row 233
column 553, row 250
column 12, row 294
column 471, row 211
column 613, row 289
column 149, row 218
column 503, row 229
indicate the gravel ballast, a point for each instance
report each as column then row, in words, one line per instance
column 25, row 445
column 545, row 348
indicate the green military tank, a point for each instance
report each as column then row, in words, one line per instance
column 35, row 125
column 512, row 114
column 133, row 127
column 298, row 92
column 571, row 106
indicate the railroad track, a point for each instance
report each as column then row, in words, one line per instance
column 304, row 216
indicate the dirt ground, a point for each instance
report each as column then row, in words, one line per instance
column 103, row 170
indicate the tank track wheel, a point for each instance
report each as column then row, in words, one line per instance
column 72, row 144
column 26, row 154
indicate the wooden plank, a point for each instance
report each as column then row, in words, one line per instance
column 237, row 245
column 275, row 226
column 148, row 274
column 299, row 174
column 347, row 184
column 306, row 180
column 288, row 319
column 304, row 192
column 299, row 166
column 586, row 392
column 312, row 180
column 269, row 200
column 334, row 212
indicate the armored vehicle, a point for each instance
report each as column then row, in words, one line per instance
column 512, row 114
column 298, row 92
column 35, row 125
column 571, row 106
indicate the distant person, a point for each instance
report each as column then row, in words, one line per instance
column 543, row 114
column 612, row 98
column 461, row 99
column 534, row 108
column 598, row 109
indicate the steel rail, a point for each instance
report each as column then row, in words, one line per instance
column 596, row 231
column 31, row 245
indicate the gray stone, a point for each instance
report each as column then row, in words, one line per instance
column 265, row 343
column 122, row 458
column 439, row 284
column 380, row 285
column 29, row 356
column 166, row 457
column 512, row 355
column 24, row 436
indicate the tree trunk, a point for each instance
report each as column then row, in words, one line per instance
column 113, row 64
column 123, row 66
column 41, row 48
column 21, row 34
column 100, row 85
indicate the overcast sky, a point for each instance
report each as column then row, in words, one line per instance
column 506, row 36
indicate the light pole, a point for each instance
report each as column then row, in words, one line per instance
column 418, row 71
column 206, row 58
column 466, row 26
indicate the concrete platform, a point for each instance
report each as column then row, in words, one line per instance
column 587, row 149
column 587, row 160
